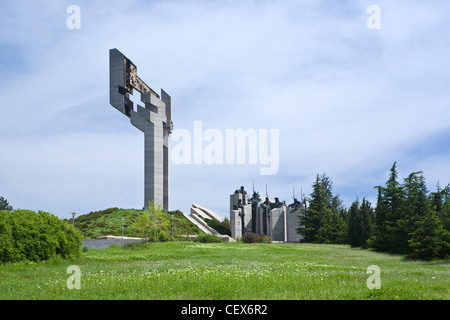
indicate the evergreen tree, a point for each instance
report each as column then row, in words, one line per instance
column 333, row 228
column 430, row 240
column 394, row 196
column 440, row 203
column 437, row 199
column 446, row 208
column 367, row 216
column 354, row 224
column 360, row 226
column 416, row 207
column 324, row 219
column 379, row 240
column 388, row 211
column 4, row 205
column 319, row 202
column 445, row 219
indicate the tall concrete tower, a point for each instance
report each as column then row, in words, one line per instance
column 154, row 119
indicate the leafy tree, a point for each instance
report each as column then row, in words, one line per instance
column 152, row 219
column 27, row 235
column 4, row 205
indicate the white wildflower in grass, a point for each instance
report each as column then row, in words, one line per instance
column 240, row 271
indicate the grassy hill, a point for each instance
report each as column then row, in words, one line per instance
column 109, row 222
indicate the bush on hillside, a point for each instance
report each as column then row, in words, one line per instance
column 221, row 227
column 27, row 235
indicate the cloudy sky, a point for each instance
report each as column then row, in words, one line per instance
column 346, row 99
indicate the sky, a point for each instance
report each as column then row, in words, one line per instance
column 349, row 89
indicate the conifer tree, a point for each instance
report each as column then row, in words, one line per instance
column 437, row 199
column 360, row 224
column 354, row 224
column 4, row 205
column 367, row 217
column 388, row 211
column 394, row 202
column 416, row 207
column 318, row 203
column 430, row 240
column 324, row 219
column 410, row 221
column 379, row 240
column 445, row 217
column 440, row 203
column 333, row 228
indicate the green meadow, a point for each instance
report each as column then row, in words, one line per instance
column 197, row 271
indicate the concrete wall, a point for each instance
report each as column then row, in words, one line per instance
column 278, row 224
column 235, row 224
column 104, row 243
column 293, row 224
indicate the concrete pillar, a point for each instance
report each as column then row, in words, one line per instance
column 154, row 118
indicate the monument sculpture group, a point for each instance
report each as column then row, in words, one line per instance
column 275, row 219
column 154, row 117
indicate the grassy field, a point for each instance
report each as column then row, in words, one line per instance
column 187, row 270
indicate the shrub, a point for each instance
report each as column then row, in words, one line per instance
column 27, row 235
column 221, row 227
column 160, row 237
column 208, row 238
column 251, row 237
column 164, row 237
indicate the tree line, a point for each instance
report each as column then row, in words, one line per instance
column 407, row 218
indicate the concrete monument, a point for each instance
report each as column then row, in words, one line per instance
column 154, row 118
